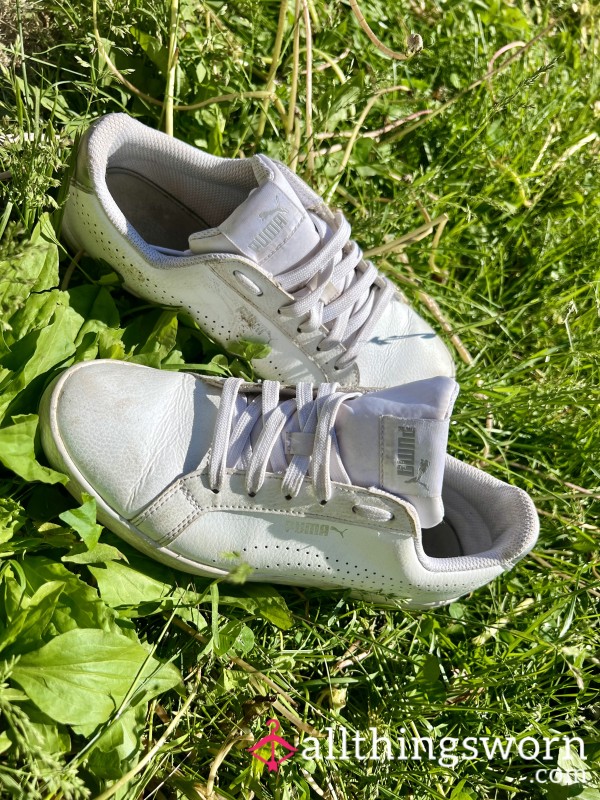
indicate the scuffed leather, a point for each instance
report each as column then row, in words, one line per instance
column 131, row 429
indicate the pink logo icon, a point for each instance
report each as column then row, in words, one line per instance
column 272, row 740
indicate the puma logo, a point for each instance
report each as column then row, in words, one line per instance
column 272, row 211
column 337, row 530
column 312, row 528
column 277, row 222
column 405, row 457
column 423, row 467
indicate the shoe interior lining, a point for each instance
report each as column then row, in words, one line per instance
column 463, row 532
column 166, row 200
column 160, row 219
column 485, row 521
column 442, row 541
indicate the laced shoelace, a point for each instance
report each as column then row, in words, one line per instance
column 311, row 449
column 350, row 295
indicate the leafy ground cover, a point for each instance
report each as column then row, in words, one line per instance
column 120, row 678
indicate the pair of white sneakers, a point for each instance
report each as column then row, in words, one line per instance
column 325, row 484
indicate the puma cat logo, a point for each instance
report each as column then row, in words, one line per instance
column 423, row 467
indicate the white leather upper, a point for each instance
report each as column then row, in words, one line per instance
column 137, row 439
column 233, row 298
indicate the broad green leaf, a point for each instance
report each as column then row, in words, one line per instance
column 99, row 334
column 87, row 347
column 570, row 778
column 83, row 520
column 99, row 554
column 122, row 586
column 157, row 53
column 218, row 366
column 78, row 604
column 232, row 680
column 248, row 350
column 55, row 340
column 81, row 677
column 35, row 315
column 26, row 629
column 35, row 354
column 43, row 239
column 12, row 518
column 48, row 534
column 118, row 747
column 96, row 306
column 235, row 638
column 17, row 451
column 569, row 791
column 110, row 344
column 462, row 792
column 158, row 343
column 34, row 270
column 269, row 604
column 240, row 369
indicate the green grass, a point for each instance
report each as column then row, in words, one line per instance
column 513, row 162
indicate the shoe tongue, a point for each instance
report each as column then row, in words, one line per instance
column 271, row 227
column 396, row 439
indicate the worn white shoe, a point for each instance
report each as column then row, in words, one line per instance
column 250, row 251
column 340, row 490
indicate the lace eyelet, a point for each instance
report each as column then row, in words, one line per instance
column 318, row 349
column 324, row 502
column 251, row 494
column 288, row 497
column 216, row 491
column 299, row 330
column 279, row 311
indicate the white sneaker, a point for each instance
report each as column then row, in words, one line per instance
column 337, row 490
column 250, row 251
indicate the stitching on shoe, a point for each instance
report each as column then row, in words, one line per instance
column 199, row 509
column 155, row 505
column 193, row 515
column 286, row 240
column 182, row 524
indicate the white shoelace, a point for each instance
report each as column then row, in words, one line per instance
column 349, row 296
column 312, row 446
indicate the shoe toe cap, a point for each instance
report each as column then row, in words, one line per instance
column 126, row 430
